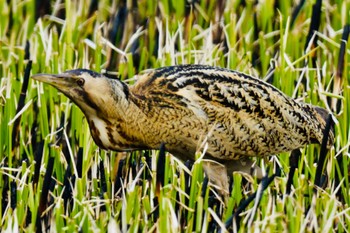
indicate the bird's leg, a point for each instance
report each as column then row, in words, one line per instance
column 217, row 174
column 244, row 165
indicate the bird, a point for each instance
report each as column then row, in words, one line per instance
column 235, row 115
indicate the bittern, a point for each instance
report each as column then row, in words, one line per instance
column 236, row 115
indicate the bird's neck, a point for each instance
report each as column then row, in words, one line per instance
column 115, row 125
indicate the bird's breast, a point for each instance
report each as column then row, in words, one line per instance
column 110, row 135
column 100, row 133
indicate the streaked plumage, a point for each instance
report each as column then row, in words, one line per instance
column 238, row 115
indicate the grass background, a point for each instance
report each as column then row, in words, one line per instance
column 54, row 178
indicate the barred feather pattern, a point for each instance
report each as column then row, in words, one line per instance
column 238, row 115
column 185, row 107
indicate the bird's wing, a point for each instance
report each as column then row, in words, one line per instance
column 235, row 101
column 234, row 91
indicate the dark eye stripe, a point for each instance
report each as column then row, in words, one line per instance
column 86, row 99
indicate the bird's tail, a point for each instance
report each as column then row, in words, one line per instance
column 321, row 116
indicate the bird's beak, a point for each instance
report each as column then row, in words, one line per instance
column 57, row 80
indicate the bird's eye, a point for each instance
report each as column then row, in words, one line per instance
column 80, row 82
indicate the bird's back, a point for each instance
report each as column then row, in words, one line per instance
column 237, row 114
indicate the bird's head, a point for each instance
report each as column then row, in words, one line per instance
column 94, row 93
